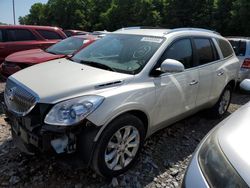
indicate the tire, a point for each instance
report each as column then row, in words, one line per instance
column 108, row 149
column 221, row 107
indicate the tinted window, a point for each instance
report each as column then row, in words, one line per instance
column 49, row 34
column 239, row 47
column 1, row 36
column 19, row 35
column 180, row 51
column 205, row 53
column 225, row 48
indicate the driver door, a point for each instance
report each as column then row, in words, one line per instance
column 176, row 92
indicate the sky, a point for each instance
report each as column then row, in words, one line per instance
column 22, row 8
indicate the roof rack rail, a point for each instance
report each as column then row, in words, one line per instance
column 240, row 37
column 192, row 29
column 138, row 27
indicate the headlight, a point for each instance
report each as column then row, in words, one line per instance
column 215, row 166
column 72, row 111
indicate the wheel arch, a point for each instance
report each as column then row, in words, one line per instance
column 136, row 112
column 232, row 84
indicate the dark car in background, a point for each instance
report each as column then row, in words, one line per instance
column 64, row 48
column 14, row 38
column 70, row 32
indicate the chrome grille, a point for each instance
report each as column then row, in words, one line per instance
column 18, row 99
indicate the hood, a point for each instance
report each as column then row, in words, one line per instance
column 32, row 56
column 62, row 79
column 234, row 140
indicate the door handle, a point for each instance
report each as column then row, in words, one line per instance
column 194, row 82
column 220, row 73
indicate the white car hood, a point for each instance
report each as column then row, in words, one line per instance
column 62, row 79
column 234, row 139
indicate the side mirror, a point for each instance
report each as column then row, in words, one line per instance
column 172, row 66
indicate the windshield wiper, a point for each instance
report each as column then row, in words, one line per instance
column 98, row 65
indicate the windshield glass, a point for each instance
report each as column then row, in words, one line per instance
column 120, row 52
column 67, row 46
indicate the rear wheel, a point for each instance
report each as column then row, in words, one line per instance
column 221, row 107
column 119, row 145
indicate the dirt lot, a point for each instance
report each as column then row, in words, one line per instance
column 162, row 163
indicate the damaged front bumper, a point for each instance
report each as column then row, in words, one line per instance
column 31, row 135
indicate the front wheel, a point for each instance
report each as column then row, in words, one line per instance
column 221, row 107
column 119, row 145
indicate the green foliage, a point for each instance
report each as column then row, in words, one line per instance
column 230, row 17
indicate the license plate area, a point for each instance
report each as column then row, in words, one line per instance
column 23, row 133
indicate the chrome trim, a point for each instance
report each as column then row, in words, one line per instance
column 23, row 90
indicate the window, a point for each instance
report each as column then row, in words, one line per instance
column 1, row 36
column 180, row 51
column 205, row 51
column 19, row 35
column 225, row 48
column 49, row 34
column 67, row 46
column 239, row 47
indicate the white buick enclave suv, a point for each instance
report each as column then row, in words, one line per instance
column 109, row 97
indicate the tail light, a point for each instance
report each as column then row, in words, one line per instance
column 246, row 64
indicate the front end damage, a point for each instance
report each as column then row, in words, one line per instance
column 31, row 135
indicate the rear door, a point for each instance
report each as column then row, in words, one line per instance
column 225, row 69
column 206, row 58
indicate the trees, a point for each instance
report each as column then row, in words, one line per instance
column 37, row 15
column 230, row 17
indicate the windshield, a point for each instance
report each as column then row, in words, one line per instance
column 120, row 52
column 67, row 46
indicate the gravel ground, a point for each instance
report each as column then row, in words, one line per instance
column 162, row 162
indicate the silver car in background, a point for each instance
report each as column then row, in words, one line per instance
column 223, row 157
column 241, row 46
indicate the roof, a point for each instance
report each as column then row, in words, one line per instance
column 28, row 26
column 164, row 32
column 149, row 32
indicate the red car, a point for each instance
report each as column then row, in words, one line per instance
column 14, row 38
column 64, row 48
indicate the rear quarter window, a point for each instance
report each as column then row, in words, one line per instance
column 19, row 35
column 225, row 47
column 49, row 34
column 239, row 47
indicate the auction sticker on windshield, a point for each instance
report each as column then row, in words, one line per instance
column 152, row 39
